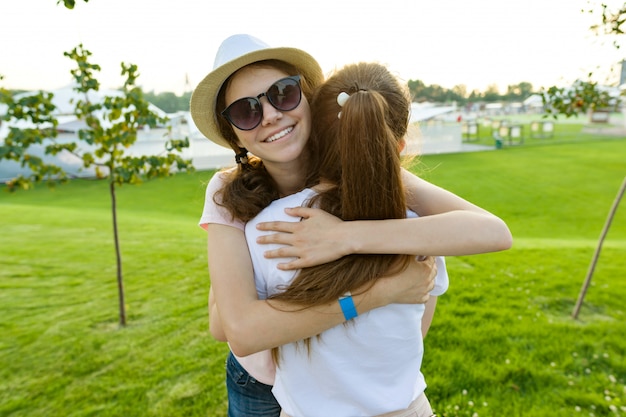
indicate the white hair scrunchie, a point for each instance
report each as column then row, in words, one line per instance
column 341, row 100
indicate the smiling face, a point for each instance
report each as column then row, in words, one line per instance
column 281, row 137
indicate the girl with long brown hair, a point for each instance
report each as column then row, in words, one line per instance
column 371, row 366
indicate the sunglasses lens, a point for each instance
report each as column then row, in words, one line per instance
column 245, row 113
column 285, row 94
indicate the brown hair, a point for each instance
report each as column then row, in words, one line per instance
column 249, row 188
column 358, row 153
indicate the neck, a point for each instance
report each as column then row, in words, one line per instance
column 289, row 178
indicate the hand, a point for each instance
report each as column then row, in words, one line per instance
column 413, row 285
column 315, row 240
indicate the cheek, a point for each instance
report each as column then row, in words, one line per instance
column 243, row 137
column 307, row 129
column 305, row 115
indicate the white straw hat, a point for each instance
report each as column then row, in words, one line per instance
column 233, row 54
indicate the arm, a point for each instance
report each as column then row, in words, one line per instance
column 448, row 226
column 251, row 325
column 215, row 324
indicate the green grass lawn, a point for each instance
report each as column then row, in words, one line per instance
column 502, row 343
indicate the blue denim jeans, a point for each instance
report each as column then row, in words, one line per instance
column 248, row 397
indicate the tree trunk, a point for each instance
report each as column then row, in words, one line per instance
column 118, row 255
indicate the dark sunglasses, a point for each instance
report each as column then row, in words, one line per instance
column 247, row 113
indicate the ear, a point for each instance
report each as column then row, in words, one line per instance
column 401, row 145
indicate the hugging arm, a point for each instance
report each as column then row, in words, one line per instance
column 251, row 325
column 215, row 324
column 429, row 313
column 448, row 226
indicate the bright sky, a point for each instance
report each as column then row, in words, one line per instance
column 445, row 42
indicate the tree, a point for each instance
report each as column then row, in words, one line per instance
column 460, row 91
column 517, row 92
column 492, row 93
column 587, row 95
column 416, row 88
column 169, row 102
column 581, row 97
column 611, row 21
column 111, row 128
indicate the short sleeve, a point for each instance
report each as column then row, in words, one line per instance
column 214, row 213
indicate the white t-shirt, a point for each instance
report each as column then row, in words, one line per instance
column 368, row 366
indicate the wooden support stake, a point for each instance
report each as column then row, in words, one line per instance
column 596, row 255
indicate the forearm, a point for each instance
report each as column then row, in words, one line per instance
column 251, row 325
column 262, row 326
column 448, row 226
column 453, row 233
column 265, row 324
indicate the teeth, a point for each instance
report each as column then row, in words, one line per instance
column 279, row 134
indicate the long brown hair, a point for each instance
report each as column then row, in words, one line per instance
column 249, row 187
column 357, row 152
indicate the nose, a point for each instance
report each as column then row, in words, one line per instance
column 270, row 113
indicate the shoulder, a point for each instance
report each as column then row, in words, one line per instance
column 276, row 209
column 213, row 212
column 219, row 180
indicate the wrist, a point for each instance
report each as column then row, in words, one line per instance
column 351, row 244
column 380, row 294
column 367, row 299
column 347, row 306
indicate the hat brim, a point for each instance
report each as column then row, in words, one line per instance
column 204, row 97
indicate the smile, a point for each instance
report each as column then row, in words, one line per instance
column 279, row 135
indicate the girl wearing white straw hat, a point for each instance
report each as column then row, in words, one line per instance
column 257, row 97
column 277, row 131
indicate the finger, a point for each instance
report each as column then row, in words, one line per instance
column 270, row 254
column 303, row 212
column 277, row 226
column 284, row 252
column 433, row 274
column 278, row 238
column 290, row 266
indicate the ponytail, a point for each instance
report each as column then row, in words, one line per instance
column 370, row 183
